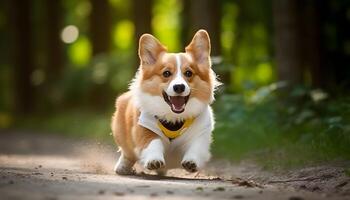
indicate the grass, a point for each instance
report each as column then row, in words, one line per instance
column 303, row 130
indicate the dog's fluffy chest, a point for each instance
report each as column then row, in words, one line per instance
column 175, row 149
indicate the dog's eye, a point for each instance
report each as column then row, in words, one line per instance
column 166, row 74
column 188, row 73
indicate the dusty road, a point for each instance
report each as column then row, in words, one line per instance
column 49, row 167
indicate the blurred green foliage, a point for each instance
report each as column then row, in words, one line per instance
column 310, row 127
column 79, row 53
column 166, row 23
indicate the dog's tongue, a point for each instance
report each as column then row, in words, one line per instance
column 177, row 102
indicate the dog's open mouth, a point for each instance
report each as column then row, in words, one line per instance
column 176, row 103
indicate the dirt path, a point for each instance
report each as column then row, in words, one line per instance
column 50, row 167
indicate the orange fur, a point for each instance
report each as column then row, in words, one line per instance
column 128, row 134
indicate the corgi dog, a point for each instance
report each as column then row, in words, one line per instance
column 165, row 120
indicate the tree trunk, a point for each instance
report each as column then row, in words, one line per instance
column 288, row 41
column 54, row 44
column 20, row 12
column 201, row 19
column 335, row 50
column 142, row 12
column 312, row 41
column 100, row 26
column 206, row 14
column 185, row 23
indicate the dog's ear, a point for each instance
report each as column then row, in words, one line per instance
column 199, row 47
column 149, row 49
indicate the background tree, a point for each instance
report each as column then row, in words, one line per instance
column 335, row 48
column 202, row 20
column 288, row 41
column 100, row 26
column 142, row 17
column 54, row 44
column 194, row 18
column 312, row 43
column 100, row 33
column 20, row 12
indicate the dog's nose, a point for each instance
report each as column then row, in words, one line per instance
column 179, row 88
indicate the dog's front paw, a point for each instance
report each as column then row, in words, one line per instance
column 154, row 164
column 190, row 166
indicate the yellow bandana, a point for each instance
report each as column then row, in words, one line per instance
column 174, row 134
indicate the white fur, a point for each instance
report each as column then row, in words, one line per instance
column 198, row 150
column 194, row 144
column 178, row 80
column 123, row 166
column 154, row 151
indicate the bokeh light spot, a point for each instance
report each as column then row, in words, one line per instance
column 80, row 52
column 70, row 34
column 264, row 73
column 37, row 77
column 123, row 34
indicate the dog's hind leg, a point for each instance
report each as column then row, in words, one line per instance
column 124, row 166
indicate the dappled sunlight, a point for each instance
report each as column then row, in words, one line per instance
column 70, row 34
column 80, row 52
column 99, row 72
column 123, row 34
column 229, row 26
column 165, row 23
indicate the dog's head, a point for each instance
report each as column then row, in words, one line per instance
column 174, row 85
